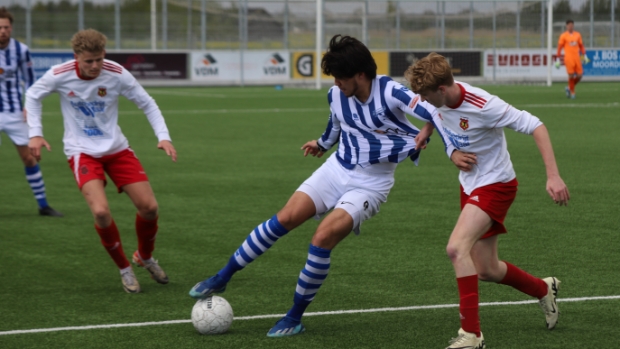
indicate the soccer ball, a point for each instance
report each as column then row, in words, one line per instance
column 212, row 315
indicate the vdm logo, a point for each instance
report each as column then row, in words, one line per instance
column 207, row 67
column 305, row 65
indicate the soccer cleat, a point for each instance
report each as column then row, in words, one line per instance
column 567, row 90
column 548, row 303
column 130, row 283
column 203, row 289
column 572, row 96
column 157, row 273
column 466, row 340
column 286, row 327
column 48, row 211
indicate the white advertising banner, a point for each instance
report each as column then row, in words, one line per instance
column 520, row 64
column 258, row 66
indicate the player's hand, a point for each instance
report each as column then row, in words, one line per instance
column 422, row 137
column 168, row 148
column 464, row 161
column 35, row 144
column 585, row 59
column 557, row 63
column 558, row 190
column 312, row 148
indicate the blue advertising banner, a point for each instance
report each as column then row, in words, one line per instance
column 602, row 63
column 43, row 61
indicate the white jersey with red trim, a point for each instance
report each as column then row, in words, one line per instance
column 90, row 107
column 476, row 125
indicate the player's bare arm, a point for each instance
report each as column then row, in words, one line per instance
column 555, row 185
column 35, row 144
column 168, row 148
column 312, row 148
column 425, row 132
column 464, row 161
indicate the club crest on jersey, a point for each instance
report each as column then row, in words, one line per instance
column 355, row 116
column 380, row 113
column 464, row 124
column 102, row 92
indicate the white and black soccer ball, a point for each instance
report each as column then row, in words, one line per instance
column 212, row 315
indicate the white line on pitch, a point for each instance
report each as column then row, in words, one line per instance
column 571, row 105
column 319, row 313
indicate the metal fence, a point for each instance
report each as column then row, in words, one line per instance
column 291, row 24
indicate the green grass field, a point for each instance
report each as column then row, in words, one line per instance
column 239, row 161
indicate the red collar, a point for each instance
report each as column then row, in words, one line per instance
column 458, row 104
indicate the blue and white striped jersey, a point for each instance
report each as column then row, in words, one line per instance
column 378, row 130
column 15, row 68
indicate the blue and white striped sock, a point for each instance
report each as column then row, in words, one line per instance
column 35, row 179
column 259, row 241
column 310, row 279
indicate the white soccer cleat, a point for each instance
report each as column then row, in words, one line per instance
column 466, row 340
column 130, row 283
column 157, row 273
column 548, row 303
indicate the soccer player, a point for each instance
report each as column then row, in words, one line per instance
column 89, row 88
column 473, row 121
column 367, row 117
column 571, row 42
column 15, row 69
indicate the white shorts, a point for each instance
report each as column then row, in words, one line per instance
column 359, row 191
column 14, row 125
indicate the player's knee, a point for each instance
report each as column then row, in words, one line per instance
column 486, row 275
column 102, row 215
column 289, row 219
column 323, row 238
column 28, row 159
column 454, row 252
column 149, row 210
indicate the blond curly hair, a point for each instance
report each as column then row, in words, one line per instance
column 88, row 40
column 428, row 73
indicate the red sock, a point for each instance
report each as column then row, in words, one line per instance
column 468, row 292
column 571, row 85
column 146, row 236
column 111, row 241
column 524, row 282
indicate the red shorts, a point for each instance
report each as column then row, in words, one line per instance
column 123, row 168
column 495, row 200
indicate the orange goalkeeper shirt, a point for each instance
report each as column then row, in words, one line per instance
column 572, row 44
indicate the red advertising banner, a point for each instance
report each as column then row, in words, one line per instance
column 160, row 66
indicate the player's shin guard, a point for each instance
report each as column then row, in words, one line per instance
column 259, row 241
column 524, row 282
column 468, row 306
column 147, row 231
column 111, row 241
column 310, row 280
column 35, row 180
column 571, row 85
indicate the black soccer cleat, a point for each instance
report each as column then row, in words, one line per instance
column 49, row 211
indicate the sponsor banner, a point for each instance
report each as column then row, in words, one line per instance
column 304, row 64
column 43, row 61
column 520, row 64
column 226, row 66
column 463, row 63
column 160, row 66
column 602, row 63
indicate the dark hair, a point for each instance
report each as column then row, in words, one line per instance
column 4, row 13
column 569, row 21
column 347, row 56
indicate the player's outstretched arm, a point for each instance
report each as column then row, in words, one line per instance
column 425, row 133
column 464, row 161
column 35, row 144
column 168, row 148
column 312, row 148
column 555, row 185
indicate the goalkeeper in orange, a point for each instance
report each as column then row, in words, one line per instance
column 572, row 44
